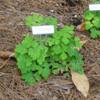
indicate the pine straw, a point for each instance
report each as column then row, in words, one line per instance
column 12, row 29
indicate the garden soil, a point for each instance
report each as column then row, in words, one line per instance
column 12, row 30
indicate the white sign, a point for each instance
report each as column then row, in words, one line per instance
column 45, row 29
column 94, row 7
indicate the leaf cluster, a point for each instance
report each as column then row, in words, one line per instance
column 37, row 19
column 38, row 58
column 92, row 23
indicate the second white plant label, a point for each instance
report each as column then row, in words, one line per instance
column 94, row 7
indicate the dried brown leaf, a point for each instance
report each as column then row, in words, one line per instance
column 81, row 27
column 6, row 54
column 81, row 82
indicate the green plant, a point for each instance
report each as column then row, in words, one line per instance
column 37, row 19
column 38, row 58
column 95, row 1
column 92, row 23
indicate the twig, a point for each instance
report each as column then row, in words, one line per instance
column 4, row 63
column 2, row 74
column 64, row 98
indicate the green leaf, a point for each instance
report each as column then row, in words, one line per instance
column 65, row 41
column 96, row 22
column 34, row 44
column 27, row 42
column 88, row 15
column 34, row 53
column 63, row 56
column 56, row 41
column 56, row 49
column 72, row 52
column 77, row 42
column 37, row 20
column 37, row 76
column 43, row 54
column 94, row 33
column 89, row 25
column 40, row 70
column 67, row 29
column 46, row 72
column 34, row 20
column 98, row 33
column 50, row 41
column 20, row 49
column 40, row 60
column 29, row 21
column 55, row 71
column 28, row 77
column 36, row 66
column 76, row 65
column 24, row 64
column 21, row 62
column 28, row 61
column 51, row 21
column 55, row 65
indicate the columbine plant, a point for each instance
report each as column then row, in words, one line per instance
column 38, row 58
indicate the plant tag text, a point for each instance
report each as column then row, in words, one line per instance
column 94, row 7
column 45, row 29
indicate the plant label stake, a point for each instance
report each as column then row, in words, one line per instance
column 94, row 7
column 42, row 30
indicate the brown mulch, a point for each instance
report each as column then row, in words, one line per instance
column 12, row 29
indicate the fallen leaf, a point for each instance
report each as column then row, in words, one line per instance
column 6, row 54
column 81, row 27
column 81, row 82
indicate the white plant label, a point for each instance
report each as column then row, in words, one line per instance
column 94, row 7
column 45, row 29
